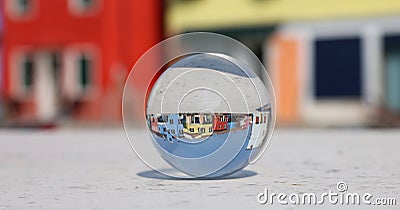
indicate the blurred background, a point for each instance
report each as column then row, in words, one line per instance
column 333, row 63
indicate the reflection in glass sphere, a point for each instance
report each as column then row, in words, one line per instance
column 208, row 115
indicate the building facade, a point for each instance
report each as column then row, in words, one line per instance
column 70, row 58
column 338, row 72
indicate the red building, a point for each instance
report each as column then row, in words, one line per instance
column 154, row 123
column 70, row 58
column 220, row 122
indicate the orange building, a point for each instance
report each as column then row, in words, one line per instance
column 70, row 58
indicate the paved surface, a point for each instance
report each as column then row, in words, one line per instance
column 95, row 169
column 199, row 89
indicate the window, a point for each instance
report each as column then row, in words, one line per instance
column 180, row 131
column 19, row 8
column 27, row 69
column 337, row 68
column 23, row 5
column 55, row 60
column 86, row 3
column 207, row 119
column 80, row 7
column 171, row 121
column 191, row 130
column 196, row 120
column 203, row 130
column 173, row 131
column 257, row 120
column 210, row 129
column 85, row 65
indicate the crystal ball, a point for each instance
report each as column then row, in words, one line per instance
column 208, row 114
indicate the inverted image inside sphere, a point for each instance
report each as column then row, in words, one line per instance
column 207, row 114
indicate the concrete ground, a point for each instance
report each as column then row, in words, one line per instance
column 96, row 169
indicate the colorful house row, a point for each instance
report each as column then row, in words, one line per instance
column 195, row 127
column 69, row 58
column 184, row 125
column 330, row 66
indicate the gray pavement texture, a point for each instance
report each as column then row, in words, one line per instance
column 96, row 169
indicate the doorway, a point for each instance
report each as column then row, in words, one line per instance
column 46, row 85
column 392, row 73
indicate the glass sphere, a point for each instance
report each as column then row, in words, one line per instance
column 208, row 114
